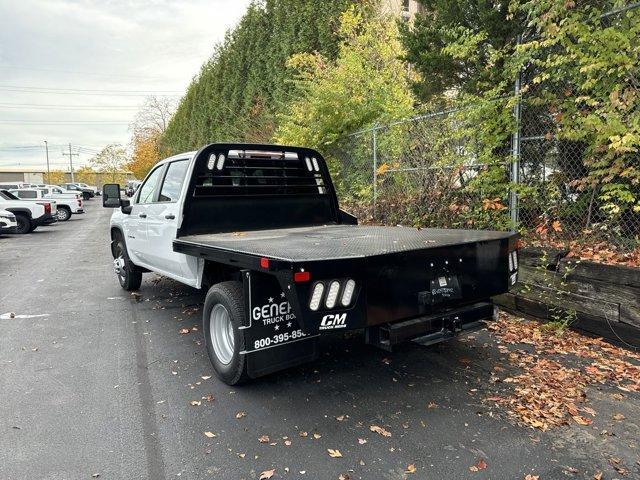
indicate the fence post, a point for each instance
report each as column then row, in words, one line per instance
column 375, row 170
column 514, row 209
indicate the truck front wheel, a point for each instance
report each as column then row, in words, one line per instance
column 222, row 316
column 129, row 276
column 24, row 224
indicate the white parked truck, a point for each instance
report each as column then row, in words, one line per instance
column 66, row 204
column 29, row 215
column 8, row 223
column 261, row 228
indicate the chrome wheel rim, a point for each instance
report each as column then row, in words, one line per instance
column 221, row 333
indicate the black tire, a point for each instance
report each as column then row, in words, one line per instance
column 86, row 196
column 129, row 276
column 24, row 224
column 64, row 214
column 230, row 296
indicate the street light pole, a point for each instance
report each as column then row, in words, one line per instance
column 46, row 148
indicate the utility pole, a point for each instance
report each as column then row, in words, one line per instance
column 70, row 154
column 46, row 148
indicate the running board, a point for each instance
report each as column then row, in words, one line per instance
column 431, row 329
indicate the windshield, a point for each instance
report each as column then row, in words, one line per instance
column 8, row 196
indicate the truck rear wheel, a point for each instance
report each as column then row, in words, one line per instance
column 129, row 276
column 64, row 214
column 222, row 316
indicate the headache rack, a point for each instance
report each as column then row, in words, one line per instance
column 243, row 187
column 246, row 172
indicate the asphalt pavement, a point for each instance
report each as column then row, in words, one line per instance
column 98, row 383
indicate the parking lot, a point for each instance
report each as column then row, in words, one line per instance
column 98, row 383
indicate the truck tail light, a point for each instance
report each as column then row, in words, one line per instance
column 47, row 207
column 347, row 294
column 316, row 297
column 79, row 202
column 264, row 263
column 332, row 294
column 300, row 277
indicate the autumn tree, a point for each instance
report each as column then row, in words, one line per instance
column 147, row 129
column 111, row 161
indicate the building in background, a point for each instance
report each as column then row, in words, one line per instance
column 22, row 174
column 39, row 175
column 406, row 8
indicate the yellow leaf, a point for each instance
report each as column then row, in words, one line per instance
column 334, row 453
column 410, row 469
column 209, row 434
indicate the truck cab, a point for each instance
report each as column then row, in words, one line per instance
column 260, row 227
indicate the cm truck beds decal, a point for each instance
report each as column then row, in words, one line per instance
column 270, row 319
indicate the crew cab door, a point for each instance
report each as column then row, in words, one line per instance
column 135, row 224
column 163, row 219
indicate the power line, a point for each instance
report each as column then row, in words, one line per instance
column 26, row 106
column 79, row 91
column 63, row 122
column 75, row 72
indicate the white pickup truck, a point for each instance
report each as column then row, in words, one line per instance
column 67, row 204
column 261, row 228
column 29, row 215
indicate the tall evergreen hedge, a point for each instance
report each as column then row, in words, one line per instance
column 238, row 92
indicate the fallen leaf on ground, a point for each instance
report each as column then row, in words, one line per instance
column 618, row 416
column 411, row 468
column 264, row 439
column 380, row 430
column 241, row 414
column 209, row 434
column 206, row 377
column 344, row 476
column 362, row 441
column 184, row 331
column 340, row 418
column 267, row 474
column 481, row 465
column 195, row 403
column 316, row 436
column 303, row 434
column 532, row 477
column 334, row 453
column 580, row 420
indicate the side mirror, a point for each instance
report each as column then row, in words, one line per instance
column 111, row 195
column 126, row 207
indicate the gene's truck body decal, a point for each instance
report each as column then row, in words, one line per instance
column 271, row 321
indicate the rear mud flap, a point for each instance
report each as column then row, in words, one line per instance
column 273, row 338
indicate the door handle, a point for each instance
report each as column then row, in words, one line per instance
column 142, row 215
column 171, row 216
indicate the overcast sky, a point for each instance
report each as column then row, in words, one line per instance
column 76, row 70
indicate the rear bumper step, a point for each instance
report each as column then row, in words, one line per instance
column 431, row 329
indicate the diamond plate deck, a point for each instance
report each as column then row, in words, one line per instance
column 334, row 242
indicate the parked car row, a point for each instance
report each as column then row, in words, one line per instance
column 26, row 206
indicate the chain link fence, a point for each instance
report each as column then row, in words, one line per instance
column 441, row 169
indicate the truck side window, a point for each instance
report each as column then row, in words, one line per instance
column 148, row 189
column 173, row 181
column 27, row 194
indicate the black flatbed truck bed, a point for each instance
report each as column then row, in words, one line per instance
column 330, row 242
